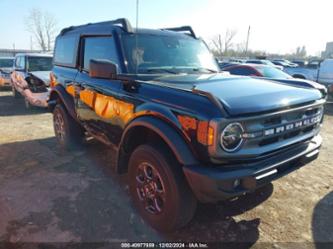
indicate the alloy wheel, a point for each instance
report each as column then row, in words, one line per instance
column 150, row 188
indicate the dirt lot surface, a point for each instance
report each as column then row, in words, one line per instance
column 47, row 195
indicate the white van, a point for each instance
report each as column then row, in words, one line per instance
column 325, row 74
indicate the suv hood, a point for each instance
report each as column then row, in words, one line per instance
column 303, row 83
column 42, row 75
column 244, row 95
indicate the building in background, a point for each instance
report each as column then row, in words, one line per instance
column 328, row 53
column 13, row 52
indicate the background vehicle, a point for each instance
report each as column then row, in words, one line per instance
column 227, row 64
column 32, row 78
column 325, row 75
column 284, row 63
column 264, row 62
column 280, row 63
column 272, row 73
column 6, row 67
column 317, row 70
column 300, row 63
column 182, row 131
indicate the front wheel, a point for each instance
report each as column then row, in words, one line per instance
column 159, row 189
column 68, row 132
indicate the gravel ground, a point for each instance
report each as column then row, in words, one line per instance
column 47, row 195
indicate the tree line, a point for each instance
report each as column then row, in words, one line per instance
column 43, row 28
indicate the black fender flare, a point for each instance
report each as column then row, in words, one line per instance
column 167, row 133
column 59, row 92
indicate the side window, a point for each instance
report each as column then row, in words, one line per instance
column 65, row 51
column 17, row 62
column 99, row 48
column 22, row 63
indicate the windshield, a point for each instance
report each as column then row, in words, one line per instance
column 39, row 63
column 271, row 72
column 6, row 62
column 167, row 54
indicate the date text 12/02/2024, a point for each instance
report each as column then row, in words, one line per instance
column 164, row 245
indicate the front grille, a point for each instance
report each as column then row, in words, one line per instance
column 285, row 126
column 268, row 133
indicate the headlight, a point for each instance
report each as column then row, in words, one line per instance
column 231, row 137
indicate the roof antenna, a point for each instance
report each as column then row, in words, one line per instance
column 136, row 37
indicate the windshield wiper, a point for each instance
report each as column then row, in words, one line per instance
column 156, row 70
column 205, row 69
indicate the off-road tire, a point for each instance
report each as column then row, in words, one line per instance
column 180, row 203
column 67, row 130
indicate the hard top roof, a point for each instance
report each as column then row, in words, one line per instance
column 34, row 55
column 123, row 25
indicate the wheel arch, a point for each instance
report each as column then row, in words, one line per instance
column 152, row 130
column 59, row 95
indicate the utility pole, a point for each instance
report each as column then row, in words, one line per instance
column 31, row 48
column 136, row 34
column 137, row 14
column 247, row 41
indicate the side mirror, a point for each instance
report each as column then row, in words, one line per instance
column 103, row 69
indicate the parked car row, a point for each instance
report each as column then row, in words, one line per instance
column 284, row 63
column 315, row 71
column 264, row 62
column 180, row 129
column 271, row 73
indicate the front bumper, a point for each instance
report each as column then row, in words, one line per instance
column 211, row 183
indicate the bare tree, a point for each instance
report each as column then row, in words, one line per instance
column 218, row 45
column 221, row 44
column 43, row 26
column 228, row 39
column 241, row 48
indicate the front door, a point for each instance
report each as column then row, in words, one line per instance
column 97, row 100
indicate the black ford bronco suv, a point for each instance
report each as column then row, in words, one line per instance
column 181, row 130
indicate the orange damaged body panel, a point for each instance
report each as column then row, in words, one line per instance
column 104, row 106
column 71, row 90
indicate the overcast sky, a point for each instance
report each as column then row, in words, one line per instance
column 277, row 26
